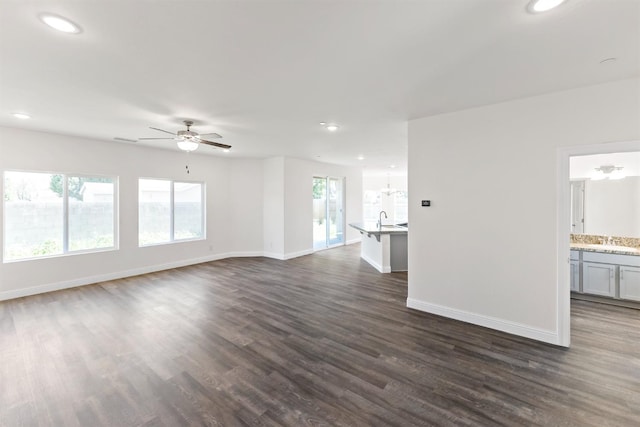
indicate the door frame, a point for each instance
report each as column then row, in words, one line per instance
column 563, row 226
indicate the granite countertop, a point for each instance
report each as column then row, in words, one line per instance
column 372, row 228
column 609, row 249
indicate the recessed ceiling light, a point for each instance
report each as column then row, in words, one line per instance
column 226, row 150
column 539, row 6
column 22, row 116
column 332, row 128
column 360, row 157
column 392, row 166
column 59, row 23
column 323, row 123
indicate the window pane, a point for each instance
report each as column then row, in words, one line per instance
column 154, row 211
column 372, row 205
column 401, row 206
column 33, row 215
column 188, row 210
column 91, row 212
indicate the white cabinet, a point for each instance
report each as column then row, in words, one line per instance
column 606, row 274
column 575, row 275
column 630, row 283
column 599, row 279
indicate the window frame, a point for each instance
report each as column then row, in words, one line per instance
column 65, row 216
column 172, row 239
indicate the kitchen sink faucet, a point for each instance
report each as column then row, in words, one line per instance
column 380, row 218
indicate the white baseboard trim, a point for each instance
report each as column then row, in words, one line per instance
column 298, row 254
column 273, row 255
column 244, row 254
column 352, row 241
column 89, row 280
column 376, row 265
column 551, row 337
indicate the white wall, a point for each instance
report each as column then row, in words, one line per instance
column 486, row 250
column 612, row 208
column 233, row 222
column 273, row 195
column 246, row 206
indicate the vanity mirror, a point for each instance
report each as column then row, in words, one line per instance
column 605, row 194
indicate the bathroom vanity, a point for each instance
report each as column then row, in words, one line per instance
column 384, row 247
column 605, row 271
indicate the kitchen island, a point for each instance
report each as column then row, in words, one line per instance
column 385, row 247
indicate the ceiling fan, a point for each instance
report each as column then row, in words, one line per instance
column 189, row 140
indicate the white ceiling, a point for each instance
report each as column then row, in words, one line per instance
column 265, row 73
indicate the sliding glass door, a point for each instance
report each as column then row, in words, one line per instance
column 328, row 212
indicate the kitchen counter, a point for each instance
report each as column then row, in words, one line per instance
column 373, row 229
column 609, row 249
column 385, row 248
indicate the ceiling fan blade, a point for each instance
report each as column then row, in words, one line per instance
column 140, row 139
column 215, row 144
column 213, row 135
column 162, row 130
column 125, row 139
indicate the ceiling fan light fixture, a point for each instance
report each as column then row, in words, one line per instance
column 188, row 145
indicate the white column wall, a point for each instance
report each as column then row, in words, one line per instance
column 273, row 202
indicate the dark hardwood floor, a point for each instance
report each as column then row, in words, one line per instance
column 320, row 340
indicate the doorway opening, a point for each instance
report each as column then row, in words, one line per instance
column 573, row 218
column 328, row 212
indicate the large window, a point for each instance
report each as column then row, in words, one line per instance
column 47, row 214
column 169, row 211
column 394, row 203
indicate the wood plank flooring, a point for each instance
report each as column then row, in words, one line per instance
column 321, row 340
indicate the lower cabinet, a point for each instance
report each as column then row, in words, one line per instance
column 630, row 283
column 599, row 279
column 606, row 274
column 575, row 275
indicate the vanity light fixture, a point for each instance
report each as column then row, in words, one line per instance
column 608, row 172
column 617, row 174
column 22, row 116
column 539, row 6
column 59, row 23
